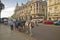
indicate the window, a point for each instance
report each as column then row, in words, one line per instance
column 55, row 15
column 37, row 6
column 43, row 9
column 51, row 2
column 57, row 1
column 31, row 8
column 56, row 9
column 50, row 8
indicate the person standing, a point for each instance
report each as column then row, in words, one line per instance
column 11, row 24
column 17, row 24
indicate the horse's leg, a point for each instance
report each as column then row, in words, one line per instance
column 25, row 29
column 30, row 30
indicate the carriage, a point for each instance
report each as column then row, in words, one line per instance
column 27, row 26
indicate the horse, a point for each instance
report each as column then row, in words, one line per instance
column 28, row 27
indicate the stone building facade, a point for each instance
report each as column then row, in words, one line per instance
column 32, row 9
column 53, row 9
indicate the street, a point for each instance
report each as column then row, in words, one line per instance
column 41, row 32
column 7, row 34
column 29, row 19
column 46, row 32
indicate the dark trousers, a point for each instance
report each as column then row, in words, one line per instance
column 11, row 27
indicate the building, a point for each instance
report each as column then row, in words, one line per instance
column 32, row 9
column 53, row 9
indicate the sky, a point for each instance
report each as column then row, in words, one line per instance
column 10, row 7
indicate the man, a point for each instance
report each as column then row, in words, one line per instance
column 11, row 24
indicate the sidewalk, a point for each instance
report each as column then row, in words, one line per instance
column 6, row 34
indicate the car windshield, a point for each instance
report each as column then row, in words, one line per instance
column 58, row 21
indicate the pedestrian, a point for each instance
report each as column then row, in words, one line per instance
column 16, row 24
column 11, row 25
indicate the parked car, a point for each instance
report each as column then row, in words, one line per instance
column 39, row 21
column 48, row 22
column 57, row 23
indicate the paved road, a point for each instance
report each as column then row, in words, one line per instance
column 41, row 32
column 46, row 32
column 7, row 34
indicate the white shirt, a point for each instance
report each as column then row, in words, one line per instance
column 11, row 22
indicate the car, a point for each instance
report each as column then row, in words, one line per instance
column 48, row 22
column 57, row 23
column 39, row 21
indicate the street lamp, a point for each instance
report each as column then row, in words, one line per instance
column 1, row 7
